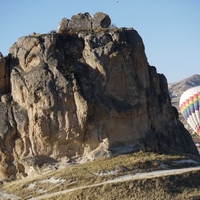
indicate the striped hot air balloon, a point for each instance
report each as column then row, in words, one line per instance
column 190, row 107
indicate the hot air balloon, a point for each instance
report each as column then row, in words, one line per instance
column 190, row 107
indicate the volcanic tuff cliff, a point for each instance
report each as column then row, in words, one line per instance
column 79, row 94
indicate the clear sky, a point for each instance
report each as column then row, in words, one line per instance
column 170, row 29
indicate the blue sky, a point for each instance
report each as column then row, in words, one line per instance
column 170, row 29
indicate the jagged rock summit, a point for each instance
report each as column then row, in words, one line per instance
column 84, row 21
column 80, row 95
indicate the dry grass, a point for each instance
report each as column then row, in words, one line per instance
column 89, row 173
column 171, row 187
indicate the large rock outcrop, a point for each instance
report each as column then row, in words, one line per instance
column 83, row 95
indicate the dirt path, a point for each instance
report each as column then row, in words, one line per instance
column 146, row 175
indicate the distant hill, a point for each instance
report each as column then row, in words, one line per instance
column 176, row 89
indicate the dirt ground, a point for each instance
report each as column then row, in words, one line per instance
column 186, row 186
column 181, row 186
column 176, row 177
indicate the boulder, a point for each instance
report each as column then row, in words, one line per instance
column 101, row 20
column 80, row 21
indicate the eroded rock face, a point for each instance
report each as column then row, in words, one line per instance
column 80, row 96
column 4, row 76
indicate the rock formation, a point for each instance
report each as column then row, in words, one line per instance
column 82, row 95
column 4, row 79
column 84, row 21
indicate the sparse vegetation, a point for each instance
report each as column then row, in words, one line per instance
column 102, row 170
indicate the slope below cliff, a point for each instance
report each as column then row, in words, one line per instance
column 81, row 94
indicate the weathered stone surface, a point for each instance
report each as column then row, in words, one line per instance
column 82, row 96
column 3, row 75
column 83, row 21
column 7, row 142
column 80, row 21
column 101, row 20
